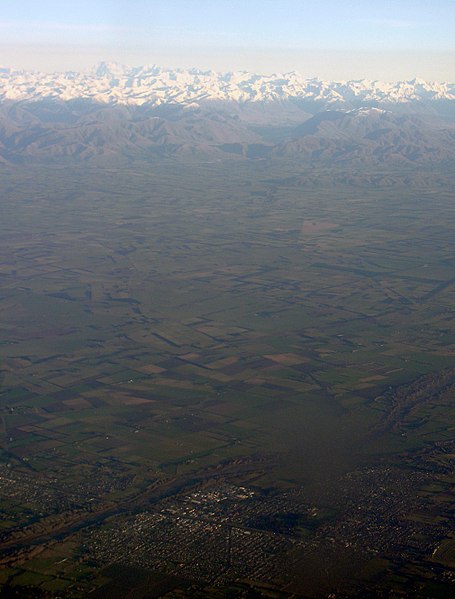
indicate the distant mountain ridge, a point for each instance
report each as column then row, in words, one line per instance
column 151, row 113
column 112, row 83
column 370, row 135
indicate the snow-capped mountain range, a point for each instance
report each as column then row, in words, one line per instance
column 112, row 83
column 147, row 113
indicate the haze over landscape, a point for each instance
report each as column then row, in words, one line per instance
column 352, row 39
column 227, row 337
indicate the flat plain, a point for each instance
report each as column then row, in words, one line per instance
column 226, row 378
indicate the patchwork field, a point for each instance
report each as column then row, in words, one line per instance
column 173, row 330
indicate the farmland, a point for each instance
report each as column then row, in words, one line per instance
column 179, row 337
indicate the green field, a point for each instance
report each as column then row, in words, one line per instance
column 165, row 324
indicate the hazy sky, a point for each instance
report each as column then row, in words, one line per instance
column 387, row 39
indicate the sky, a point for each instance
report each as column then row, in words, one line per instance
column 352, row 39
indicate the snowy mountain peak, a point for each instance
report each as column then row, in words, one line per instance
column 368, row 111
column 109, row 69
column 114, row 83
